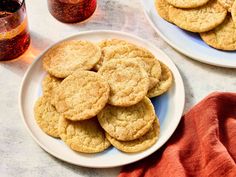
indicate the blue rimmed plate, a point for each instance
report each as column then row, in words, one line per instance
column 190, row 44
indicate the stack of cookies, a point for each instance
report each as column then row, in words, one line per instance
column 97, row 95
column 214, row 20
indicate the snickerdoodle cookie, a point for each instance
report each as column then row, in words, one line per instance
column 82, row 95
column 127, row 123
column 66, row 57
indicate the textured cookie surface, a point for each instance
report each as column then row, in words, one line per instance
column 227, row 4
column 49, row 86
column 112, row 42
column 129, row 52
column 233, row 12
column 187, row 4
column 164, row 84
column 128, row 82
column 222, row 37
column 109, row 43
column 199, row 19
column 81, row 95
column 152, row 67
column 126, row 51
column 127, row 123
column 66, row 57
column 46, row 116
column 83, row 136
column 140, row 144
column 162, row 8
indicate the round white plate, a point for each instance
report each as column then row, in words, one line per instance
column 188, row 43
column 169, row 108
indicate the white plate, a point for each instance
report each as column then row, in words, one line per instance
column 169, row 108
column 189, row 44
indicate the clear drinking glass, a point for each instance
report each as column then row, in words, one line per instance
column 14, row 34
column 72, row 11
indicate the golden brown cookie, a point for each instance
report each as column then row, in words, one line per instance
column 127, row 123
column 165, row 83
column 112, row 42
column 66, row 57
column 46, row 116
column 187, row 4
column 109, row 43
column 128, row 52
column 128, row 82
column 49, row 85
column 140, row 144
column 162, row 8
column 227, row 4
column 83, row 136
column 233, row 12
column 153, row 68
column 222, row 37
column 199, row 19
column 82, row 95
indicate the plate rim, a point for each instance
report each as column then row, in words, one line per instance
column 45, row 148
column 179, row 49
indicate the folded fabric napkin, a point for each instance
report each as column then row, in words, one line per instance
column 204, row 144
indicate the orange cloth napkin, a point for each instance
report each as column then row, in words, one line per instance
column 203, row 145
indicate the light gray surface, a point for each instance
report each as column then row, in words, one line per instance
column 20, row 155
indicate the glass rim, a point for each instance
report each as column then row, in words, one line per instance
column 20, row 6
column 22, row 3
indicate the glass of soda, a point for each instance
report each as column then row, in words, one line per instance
column 14, row 34
column 72, row 11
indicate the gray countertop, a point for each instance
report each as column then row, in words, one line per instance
column 20, row 155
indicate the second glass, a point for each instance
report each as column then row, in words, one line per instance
column 72, row 11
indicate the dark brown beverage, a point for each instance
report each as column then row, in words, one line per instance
column 72, row 11
column 14, row 35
